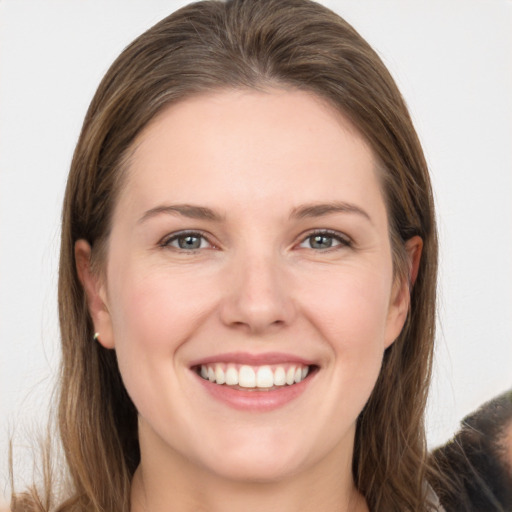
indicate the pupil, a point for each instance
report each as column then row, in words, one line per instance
column 189, row 242
column 321, row 242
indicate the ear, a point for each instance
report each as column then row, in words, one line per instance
column 95, row 291
column 401, row 294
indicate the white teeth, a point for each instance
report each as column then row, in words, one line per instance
column 231, row 376
column 219, row 374
column 279, row 376
column 264, row 377
column 290, row 376
column 246, row 376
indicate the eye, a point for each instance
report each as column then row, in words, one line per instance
column 323, row 240
column 186, row 241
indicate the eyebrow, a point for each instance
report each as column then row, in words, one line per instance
column 321, row 209
column 311, row 210
column 185, row 210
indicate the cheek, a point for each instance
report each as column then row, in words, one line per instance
column 155, row 311
column 358, row 337
column 152, row 314
column 352, row 308
column 154, row 308
column 351, row 315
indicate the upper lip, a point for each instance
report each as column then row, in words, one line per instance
column 253, row 359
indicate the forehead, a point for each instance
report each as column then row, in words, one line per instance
column 276, row 147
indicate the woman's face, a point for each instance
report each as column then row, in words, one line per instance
column 250, row 245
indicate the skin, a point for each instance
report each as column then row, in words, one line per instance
column 255, row 285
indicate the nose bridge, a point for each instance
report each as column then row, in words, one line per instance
column 259, row 296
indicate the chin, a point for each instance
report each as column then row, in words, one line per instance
column 256, row 471
column 258, row 459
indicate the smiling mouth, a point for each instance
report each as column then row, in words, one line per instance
column 254, row 378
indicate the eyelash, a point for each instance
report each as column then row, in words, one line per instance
column 343, row 240
column 167, row 242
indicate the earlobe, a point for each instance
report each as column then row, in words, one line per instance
column 400, row 301
column 95, row 292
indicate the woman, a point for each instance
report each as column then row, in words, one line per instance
column 247, row 273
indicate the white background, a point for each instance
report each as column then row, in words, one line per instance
column 451, row 59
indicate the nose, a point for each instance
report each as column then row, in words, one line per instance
column 258, row 297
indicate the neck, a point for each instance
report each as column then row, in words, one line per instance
column 176, row 482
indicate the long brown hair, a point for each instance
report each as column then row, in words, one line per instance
column 253, row 44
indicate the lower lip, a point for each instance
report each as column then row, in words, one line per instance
column 255, row 401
